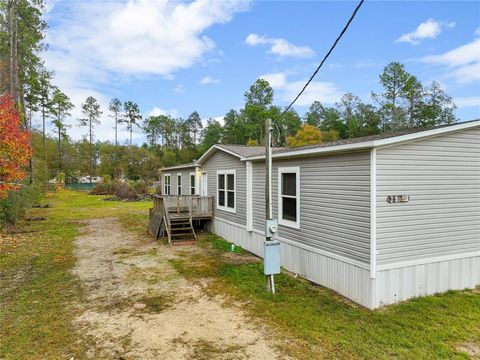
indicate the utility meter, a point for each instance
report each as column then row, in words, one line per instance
column 271, row 227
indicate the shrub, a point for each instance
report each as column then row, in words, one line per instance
column 13, row 207
column 125, row 190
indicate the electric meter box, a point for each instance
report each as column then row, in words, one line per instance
column 271, row 261
column 271, row 227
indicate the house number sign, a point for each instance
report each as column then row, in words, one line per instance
column 393, row 199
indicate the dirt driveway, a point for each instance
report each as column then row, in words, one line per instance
column 139, row 307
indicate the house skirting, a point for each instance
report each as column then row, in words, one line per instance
column 405, row 282
column 353, row 280
column 347, row 279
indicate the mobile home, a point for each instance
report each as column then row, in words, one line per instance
column 378, row 219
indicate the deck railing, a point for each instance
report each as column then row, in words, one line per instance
column 194, row 205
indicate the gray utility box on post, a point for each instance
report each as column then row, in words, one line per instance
column 271, row 261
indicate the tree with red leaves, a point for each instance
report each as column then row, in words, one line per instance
column 15, row 149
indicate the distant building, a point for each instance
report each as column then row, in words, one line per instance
column 86, row 179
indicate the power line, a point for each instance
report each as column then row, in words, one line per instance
column 325, row 57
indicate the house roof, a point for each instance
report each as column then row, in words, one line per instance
column 244, row 152
column 389, row 138
column 179, row 167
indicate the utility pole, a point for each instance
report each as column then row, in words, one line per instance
column 271, row 247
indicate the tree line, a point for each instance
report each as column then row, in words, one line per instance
column 403, row 103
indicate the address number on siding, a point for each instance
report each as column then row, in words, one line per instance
column 393, row 199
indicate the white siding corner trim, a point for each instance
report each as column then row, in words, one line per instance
column 249, row 191
column 281, row 221
column 373, row 213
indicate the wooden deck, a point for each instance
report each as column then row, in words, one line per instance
column 173, row 215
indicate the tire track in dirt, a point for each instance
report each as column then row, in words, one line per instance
column 138, row 307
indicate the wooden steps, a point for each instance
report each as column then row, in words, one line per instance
column 173, row 216
column 181, row 230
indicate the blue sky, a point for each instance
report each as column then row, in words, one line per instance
column 177, row 57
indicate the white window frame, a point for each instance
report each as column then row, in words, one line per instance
column 179, row 176
column 281, row 221
column 194, row 187
column 165, row 184
column 226, row 208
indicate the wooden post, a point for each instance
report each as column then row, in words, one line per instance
column 213, row 207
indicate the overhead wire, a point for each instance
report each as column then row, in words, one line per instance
column 325, row 57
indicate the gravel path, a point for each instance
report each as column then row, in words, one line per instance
column 138, row 307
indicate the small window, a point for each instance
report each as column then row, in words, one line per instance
column 226, row 196
column 289, row 197
column 179, row 184
column 167, row 184
column 192, row 183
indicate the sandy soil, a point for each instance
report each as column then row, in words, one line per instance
column 138, row 307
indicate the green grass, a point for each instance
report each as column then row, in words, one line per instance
column 38, row 295
column 314, row 321
column 38, row 292
column 219, row 243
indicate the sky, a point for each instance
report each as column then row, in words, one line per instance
column 175, row 57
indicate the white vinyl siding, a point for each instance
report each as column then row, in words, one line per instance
column 441, row 175
column 289, row 196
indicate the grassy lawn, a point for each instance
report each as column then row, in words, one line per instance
column 38, row 295
column 316, row 322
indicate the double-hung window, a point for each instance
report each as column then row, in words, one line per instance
column 167, row 184
column 179, row 184
column 226, row 190
column 289, row 197
column 192, row 183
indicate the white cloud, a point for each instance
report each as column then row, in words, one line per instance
column 324, row 91
column 276, row 80
column 280, row 47
column 140, row 36
column 208, row 80
column 109, row 42
column 429, row 29
column 156, row 111
column 467, row 101
column 462, row 63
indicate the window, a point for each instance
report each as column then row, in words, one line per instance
column 289, row 197
column 192, row 183
column 167, row 182
column 179, row 184
column 226, row 196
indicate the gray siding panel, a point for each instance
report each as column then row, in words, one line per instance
column 223, row 161
column 334, row 203
column 258, row 198
column 185, row 180
column 442, row 177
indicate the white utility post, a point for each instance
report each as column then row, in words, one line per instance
column 271, row 247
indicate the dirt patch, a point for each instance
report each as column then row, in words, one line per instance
column 470, row 348
column 237, row 259
column 138, row 307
